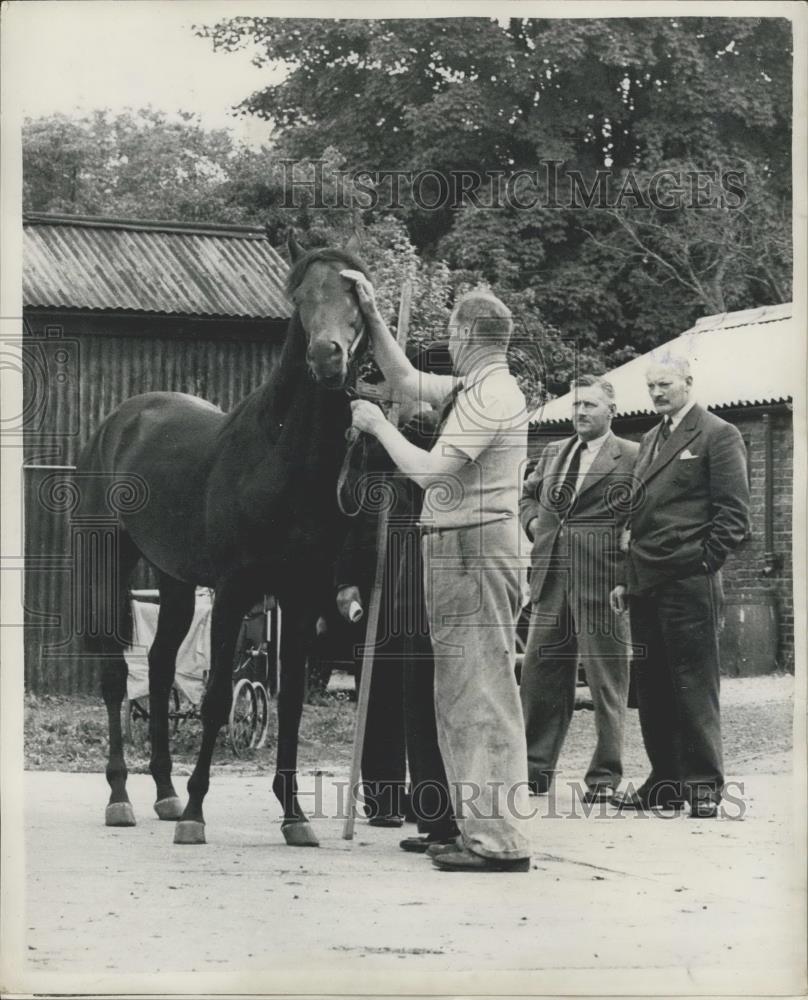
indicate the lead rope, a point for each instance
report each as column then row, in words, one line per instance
column 355, row 440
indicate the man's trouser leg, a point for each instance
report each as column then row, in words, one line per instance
column 678, row 683
column 430, row 800
column 655, row 697
column 547, row 687
column 429, row 789
column 383, row 756
column 603, row 651
column 688, row 614
column 472, row 586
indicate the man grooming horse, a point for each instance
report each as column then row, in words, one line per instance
column 472, row 567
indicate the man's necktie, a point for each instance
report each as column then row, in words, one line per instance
column 567, row 494
column 664, row 433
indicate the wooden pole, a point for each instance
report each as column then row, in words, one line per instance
column 363, row 698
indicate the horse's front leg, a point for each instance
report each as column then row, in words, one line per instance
column 295, row 640
column 229, row 604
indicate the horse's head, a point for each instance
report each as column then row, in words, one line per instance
column 328, row 309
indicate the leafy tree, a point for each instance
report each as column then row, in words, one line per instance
column 628, row 95
column 470, row 92
column 718, row 252
column 141, row 165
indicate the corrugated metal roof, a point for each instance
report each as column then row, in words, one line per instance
column 153, row 267
column 737, row 359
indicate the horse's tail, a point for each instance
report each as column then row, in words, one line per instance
column 102, row 603
column 104, row 556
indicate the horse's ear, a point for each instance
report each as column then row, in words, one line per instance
column 296, row 251
column 354, row 244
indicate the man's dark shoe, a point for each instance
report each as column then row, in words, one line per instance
column 444, row 846
column 703, row 809
column 466, row 861
column 541, row 787
column 643, row 798
column 420, row 845
column 389, row 821
column 603, row 793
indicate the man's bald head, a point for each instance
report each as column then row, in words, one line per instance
column 481, row 315
column 480, row 330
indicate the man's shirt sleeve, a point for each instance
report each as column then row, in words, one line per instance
column 434, row 389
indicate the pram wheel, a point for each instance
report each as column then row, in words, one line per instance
column 244, row 715
column 259, row 737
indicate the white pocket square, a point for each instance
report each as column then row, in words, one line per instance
column 687, row 453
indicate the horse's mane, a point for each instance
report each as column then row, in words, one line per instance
column 330, row 255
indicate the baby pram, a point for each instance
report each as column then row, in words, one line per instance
column 255, row 675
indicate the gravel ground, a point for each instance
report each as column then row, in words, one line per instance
column 757, row 722
column 615, row 903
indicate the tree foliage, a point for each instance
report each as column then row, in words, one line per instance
column 134, row 164
column 634, row 96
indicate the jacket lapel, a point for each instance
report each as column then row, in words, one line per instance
column 646, row 452
column 682, row 436
column 604, row 463
column 552, row 477
column 557, row 463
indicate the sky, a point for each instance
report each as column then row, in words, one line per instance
column 78, row 55
column 74, row 56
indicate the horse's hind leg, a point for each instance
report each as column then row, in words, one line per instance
column 114, row 670
column 230, row 601
column 173, row 622
column 295, row 638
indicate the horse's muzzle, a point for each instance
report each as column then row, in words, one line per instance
column 335, row 382
column 328, row 364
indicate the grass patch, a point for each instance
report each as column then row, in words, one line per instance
column 69, row 733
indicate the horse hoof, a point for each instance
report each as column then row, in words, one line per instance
column 298, row 833
column 119, row 814
column 189, row 831
column 170, row 808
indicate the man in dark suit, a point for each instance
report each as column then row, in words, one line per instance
column 573, row 508
column 691, row 509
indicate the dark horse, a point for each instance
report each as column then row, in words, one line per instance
column 244, row 503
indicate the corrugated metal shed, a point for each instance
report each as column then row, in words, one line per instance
column 737, row 359
column 163, row 268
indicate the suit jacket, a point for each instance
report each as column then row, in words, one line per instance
column 586, row 541
column 691, row 508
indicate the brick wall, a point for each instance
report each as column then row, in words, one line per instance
column 743, row 575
